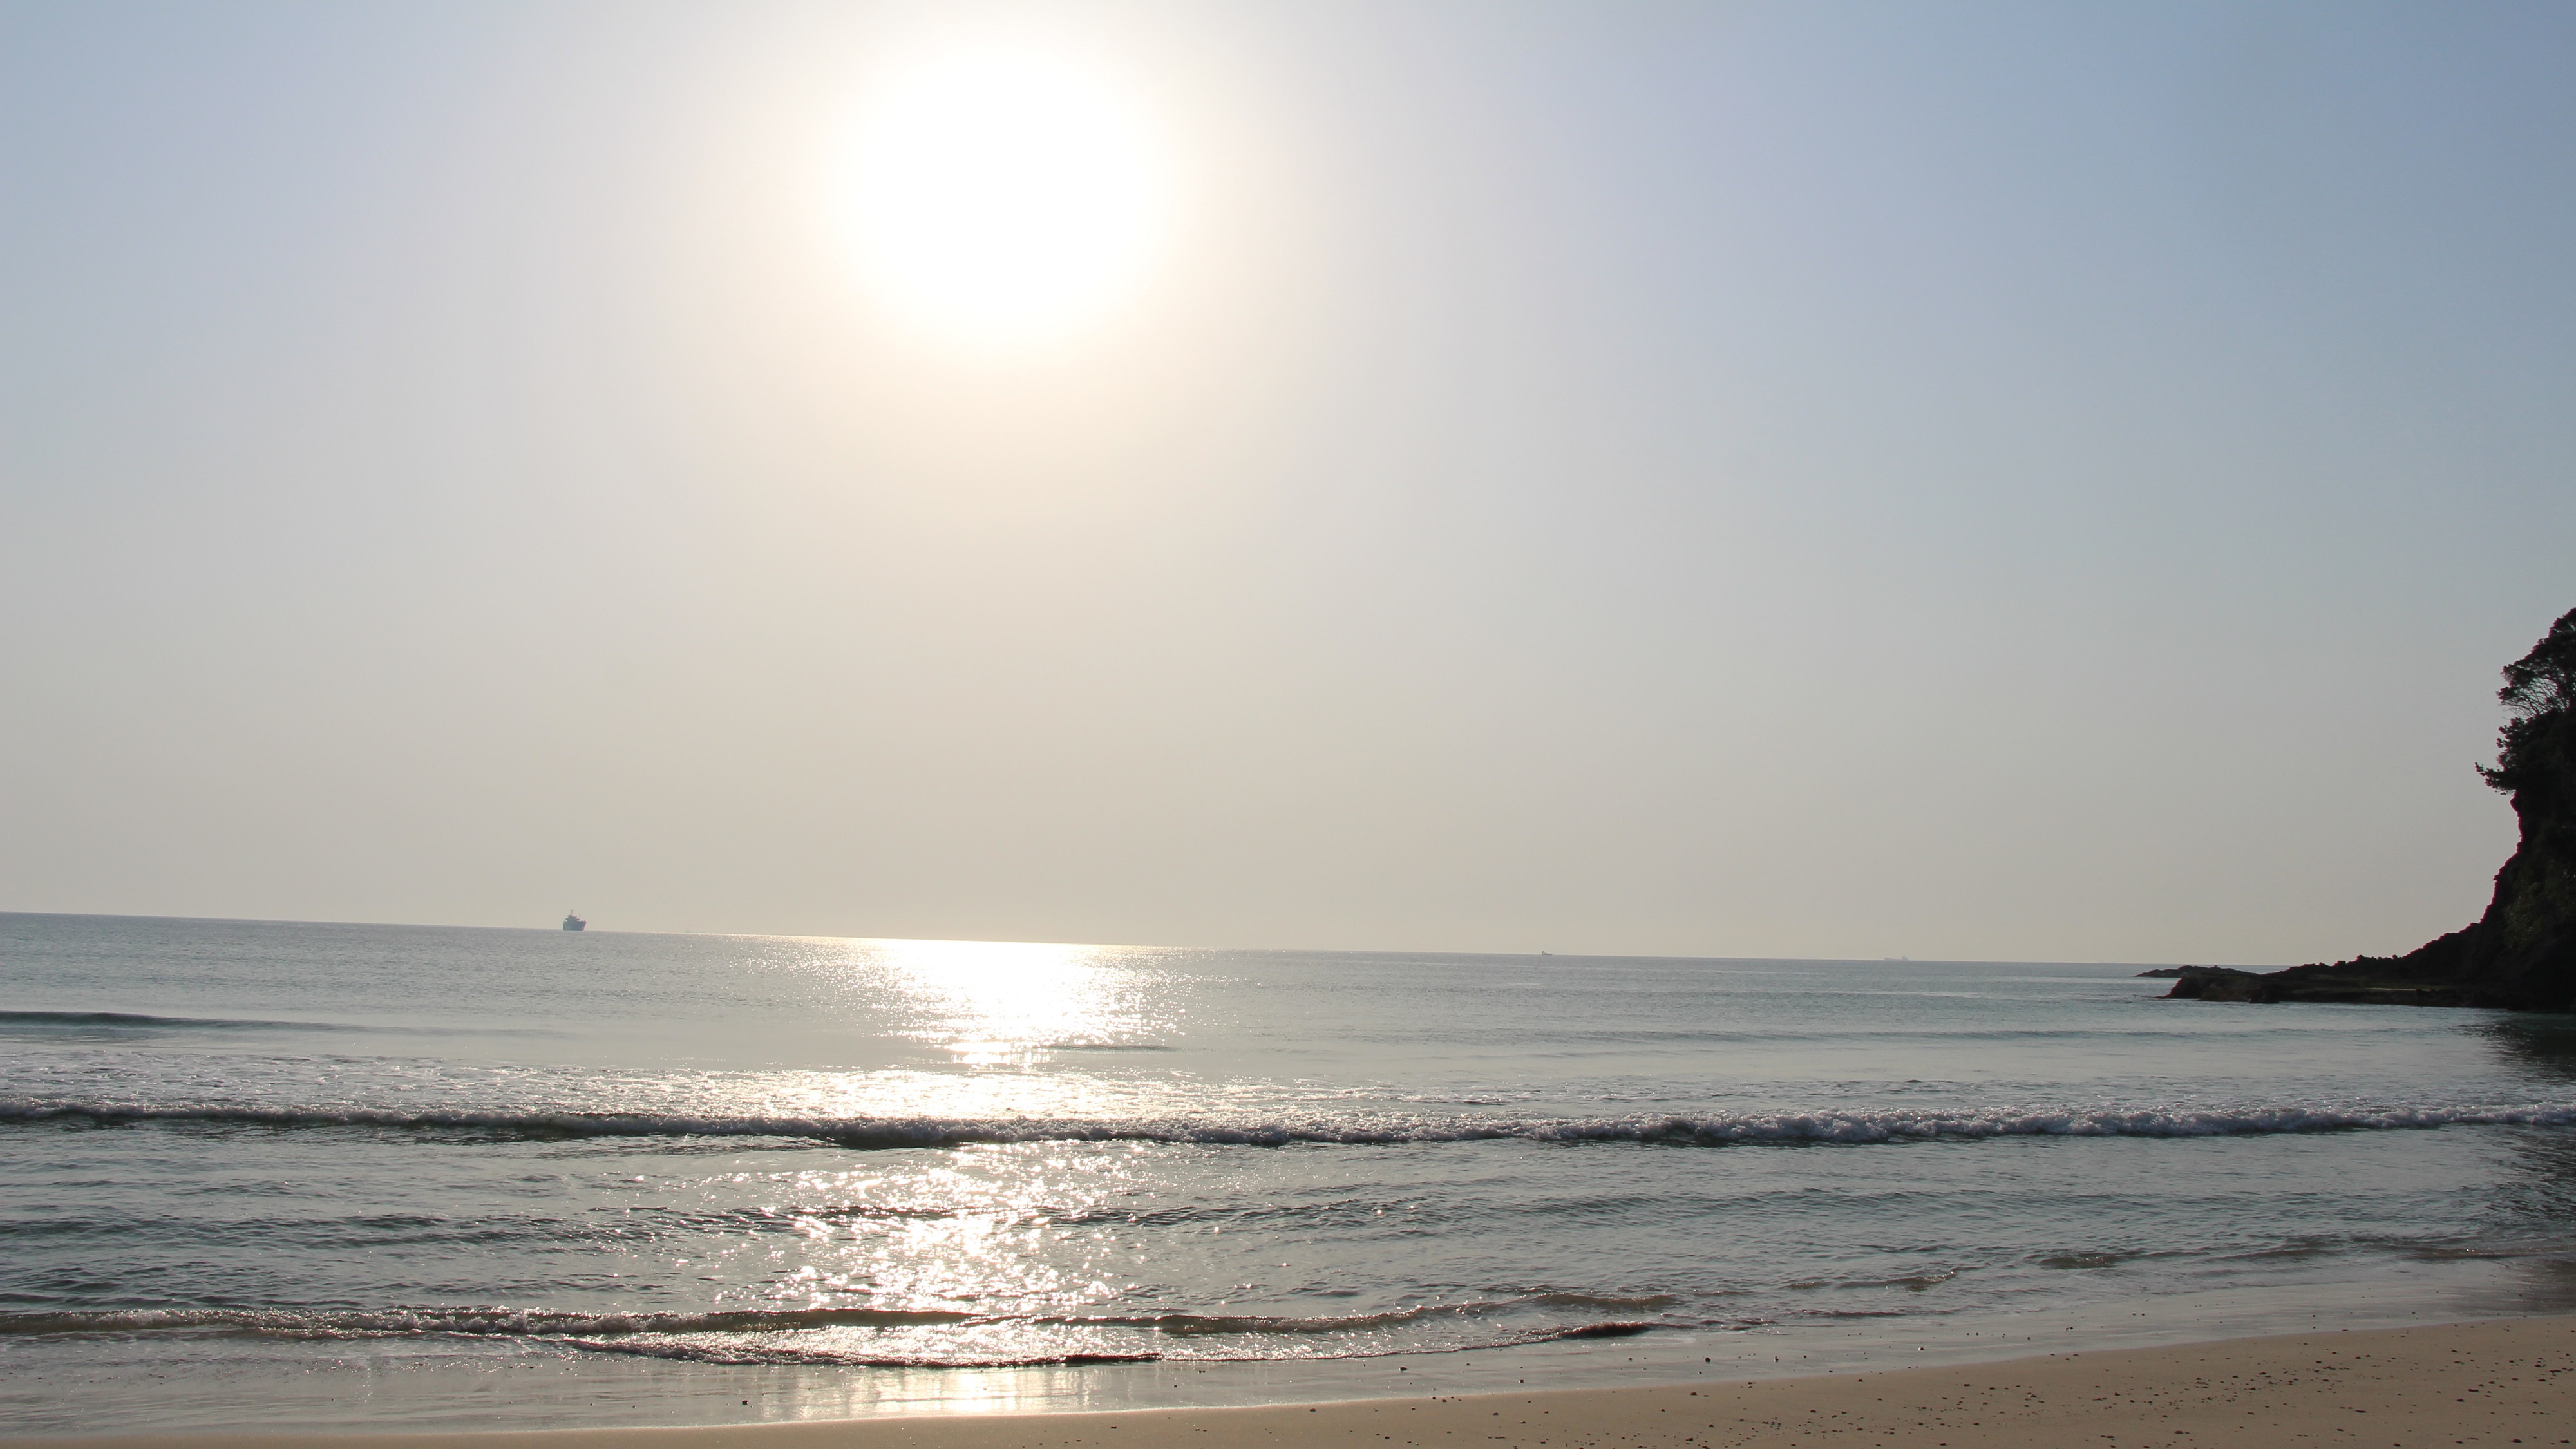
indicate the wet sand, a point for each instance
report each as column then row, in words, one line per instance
column 2487, row 1384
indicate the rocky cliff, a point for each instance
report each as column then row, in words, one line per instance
column 2522, row 952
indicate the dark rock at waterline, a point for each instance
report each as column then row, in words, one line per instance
column 2197, row 971
column 2520, row 955
column 2336, row 983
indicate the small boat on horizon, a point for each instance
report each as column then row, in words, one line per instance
column 575, row 923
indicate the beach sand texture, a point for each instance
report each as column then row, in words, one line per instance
column 2486, row 1384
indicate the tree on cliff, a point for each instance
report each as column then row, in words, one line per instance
column 2540, row 691
column 2528, row 954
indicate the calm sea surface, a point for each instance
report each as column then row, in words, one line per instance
column 295, row 1174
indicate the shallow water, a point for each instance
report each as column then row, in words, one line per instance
column 613, row 1177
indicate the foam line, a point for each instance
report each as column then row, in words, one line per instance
column 1859, row 1127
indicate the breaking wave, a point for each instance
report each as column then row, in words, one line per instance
column 1195, row 1324
column 887, row 1337
column 1358, row 1129
column 773, row 1351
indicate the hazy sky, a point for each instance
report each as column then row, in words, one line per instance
column 1974, row 480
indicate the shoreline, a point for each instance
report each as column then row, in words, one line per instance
column 2491, row 1382
column 429, row 1387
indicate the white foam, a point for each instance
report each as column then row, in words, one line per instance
column 1358, row 1129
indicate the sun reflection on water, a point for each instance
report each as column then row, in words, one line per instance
column 1014, row 1003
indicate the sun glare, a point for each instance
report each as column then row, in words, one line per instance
column 1000, row 198
column 999, row 1002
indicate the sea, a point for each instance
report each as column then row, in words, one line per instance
column 313, row 1176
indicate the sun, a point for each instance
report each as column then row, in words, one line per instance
column 1006, row 197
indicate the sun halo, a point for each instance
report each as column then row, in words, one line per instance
column 1002, row 198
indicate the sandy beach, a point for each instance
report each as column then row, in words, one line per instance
column 2494, row 1383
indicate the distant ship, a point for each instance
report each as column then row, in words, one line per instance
column 574, row 923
